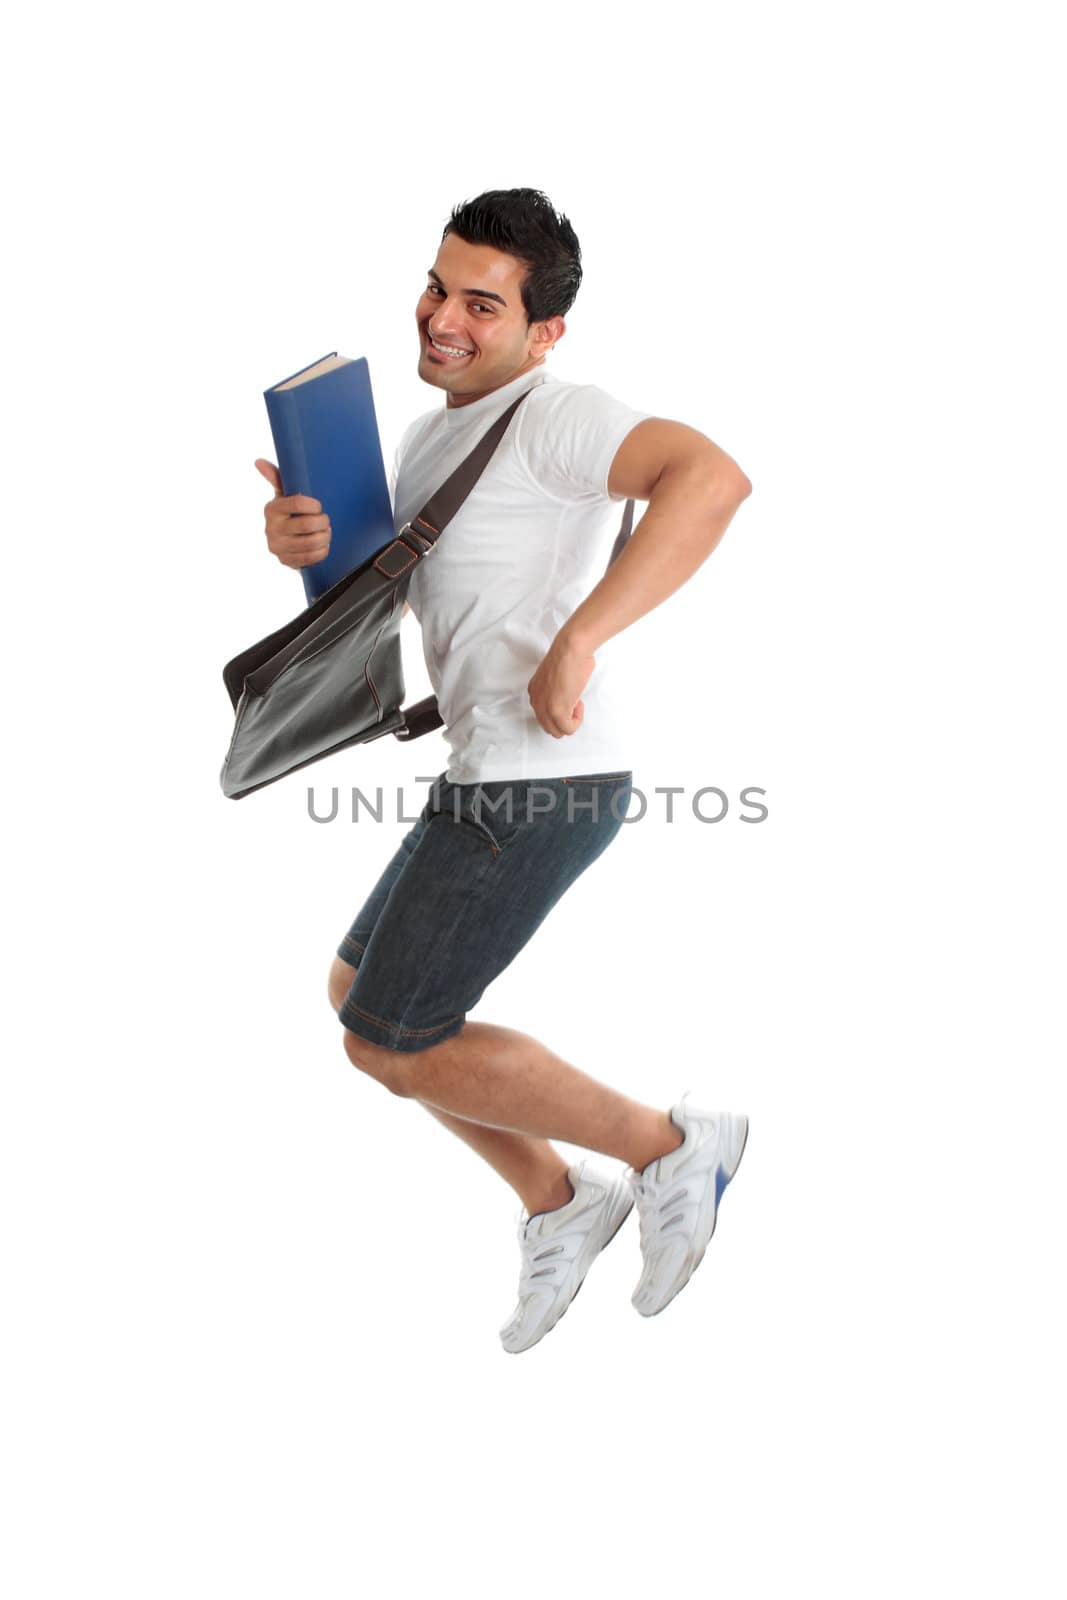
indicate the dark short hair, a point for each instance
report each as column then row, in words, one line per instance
column 524, row 223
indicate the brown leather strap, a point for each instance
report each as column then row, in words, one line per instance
column 441, row 507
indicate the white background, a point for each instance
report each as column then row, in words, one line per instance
column 252, row 1299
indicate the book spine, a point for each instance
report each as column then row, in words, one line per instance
column 284, row 416
column 305, row 480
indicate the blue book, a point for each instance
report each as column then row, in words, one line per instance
column 326, row 438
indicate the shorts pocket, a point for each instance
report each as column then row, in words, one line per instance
column 485, row 808
column 496, row 809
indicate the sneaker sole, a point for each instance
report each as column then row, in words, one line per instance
column 723, row 1177
column 521, row 1349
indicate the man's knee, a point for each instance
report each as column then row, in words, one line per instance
column 390, row 1068
column 340, row 981
column 394, row 1069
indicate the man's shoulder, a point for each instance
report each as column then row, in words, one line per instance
column 568, row 394
column 414, row 436
column 571, row 435
column 562, row 406
column 567, row 407
column 417, row 427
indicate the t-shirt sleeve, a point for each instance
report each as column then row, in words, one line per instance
column 569, row 440
column 398, row 455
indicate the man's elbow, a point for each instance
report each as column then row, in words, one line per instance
column 718, row 478
column 740, row 483
column 729, row 483
column 732, row 487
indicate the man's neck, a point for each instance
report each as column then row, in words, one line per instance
column 469, row 399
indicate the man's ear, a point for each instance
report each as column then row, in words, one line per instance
column 546, row 334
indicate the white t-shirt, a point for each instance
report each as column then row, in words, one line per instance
column 525, row 548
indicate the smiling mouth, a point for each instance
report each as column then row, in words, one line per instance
column 450, row 352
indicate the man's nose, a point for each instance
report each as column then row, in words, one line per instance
column 446, row 317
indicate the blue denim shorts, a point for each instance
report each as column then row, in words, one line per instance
column 471, row 882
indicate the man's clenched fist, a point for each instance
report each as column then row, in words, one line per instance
column 298, row 531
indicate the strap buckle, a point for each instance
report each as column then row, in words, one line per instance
column 396, row 558
column 423, row 544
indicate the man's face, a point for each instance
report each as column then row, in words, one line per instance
column 473, row 303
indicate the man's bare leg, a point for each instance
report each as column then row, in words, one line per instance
column 491, row 1078
column 506, row 1079
column 536, row 1172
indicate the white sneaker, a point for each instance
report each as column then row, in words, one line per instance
column 677, row 1199
column 558, row 1248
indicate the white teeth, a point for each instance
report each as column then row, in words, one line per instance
column 445, row 349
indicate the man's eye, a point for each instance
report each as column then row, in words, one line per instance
column 479, row 305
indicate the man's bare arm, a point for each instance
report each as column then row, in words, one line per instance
column 693, row 489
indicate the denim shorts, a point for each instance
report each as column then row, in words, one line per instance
column 471, row 882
